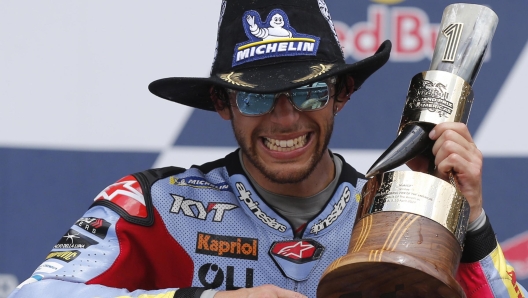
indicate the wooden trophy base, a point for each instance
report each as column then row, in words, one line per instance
column 395, row 254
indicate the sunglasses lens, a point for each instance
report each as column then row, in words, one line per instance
column 253, row 103
column 310, row 97
column 306, row 98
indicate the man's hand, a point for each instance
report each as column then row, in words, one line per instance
column 455, row 151
column 264, row 291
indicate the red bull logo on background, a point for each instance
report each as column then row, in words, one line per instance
column 413, row 36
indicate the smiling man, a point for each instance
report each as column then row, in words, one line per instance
column 282, row 147
column 269, row 218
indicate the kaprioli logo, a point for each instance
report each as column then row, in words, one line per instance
column 334, row 215
column 273, row 37
column 227, row 246
column 245, row 196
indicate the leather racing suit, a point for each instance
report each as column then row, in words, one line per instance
column 162, row 231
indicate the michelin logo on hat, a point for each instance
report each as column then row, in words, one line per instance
column 272, row 38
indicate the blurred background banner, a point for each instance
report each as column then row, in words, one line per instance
column 76, row 114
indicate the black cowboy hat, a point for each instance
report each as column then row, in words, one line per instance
column 268, row 46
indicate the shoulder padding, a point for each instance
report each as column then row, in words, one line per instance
column 130, row 196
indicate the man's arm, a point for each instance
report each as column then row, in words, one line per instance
column 483, row 272
column 113, row 250
column 87, row 250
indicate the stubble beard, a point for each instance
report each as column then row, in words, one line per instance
column 280, row 177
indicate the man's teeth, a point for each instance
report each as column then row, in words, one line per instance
column 285, row 145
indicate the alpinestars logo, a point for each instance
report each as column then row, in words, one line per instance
column 127, row 187
column 299, row 251
column 127, row 194
column 334, row 215
column 245, row 196
column 297, row 258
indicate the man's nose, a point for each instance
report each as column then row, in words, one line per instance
column 284, row 112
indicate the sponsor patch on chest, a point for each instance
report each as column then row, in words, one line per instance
column 297, row 258
column 227, row 246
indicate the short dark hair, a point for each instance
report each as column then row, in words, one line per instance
column 223, row 97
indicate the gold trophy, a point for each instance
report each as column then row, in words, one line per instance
column 410, row 227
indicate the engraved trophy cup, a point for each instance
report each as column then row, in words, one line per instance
column 410, row 227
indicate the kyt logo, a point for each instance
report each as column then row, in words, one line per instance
column 199, row 211
column 218, row 277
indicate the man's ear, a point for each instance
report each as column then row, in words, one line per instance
column 219, row 105
column 344, row 95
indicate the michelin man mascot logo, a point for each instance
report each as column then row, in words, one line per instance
column 275, row 31
column 272, row 38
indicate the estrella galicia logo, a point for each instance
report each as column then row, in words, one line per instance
column 74, row 240
column 272, row 38
column 227, row 246
column 199, row 182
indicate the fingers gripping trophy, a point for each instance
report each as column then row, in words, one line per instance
column 410, row 227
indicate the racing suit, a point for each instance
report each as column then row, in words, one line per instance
column 162, row 232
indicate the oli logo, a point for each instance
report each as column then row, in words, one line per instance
column 219, row 276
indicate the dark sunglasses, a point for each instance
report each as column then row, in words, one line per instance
column 311, row 97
